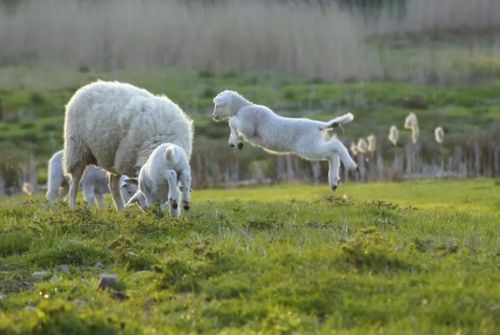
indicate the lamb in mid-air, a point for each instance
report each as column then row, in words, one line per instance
column 261, row 127
column 94, row 183
column 116, row 126
column 166, row 166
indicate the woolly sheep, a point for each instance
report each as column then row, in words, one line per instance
column 439, row 134
column 94, row 182
column 116, row 126
column 165, row 168
column 261, row 127
column 393, row 135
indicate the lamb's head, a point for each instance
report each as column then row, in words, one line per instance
column 227, row 104
column 128, row 187
column 222, row 105
column 159, row 173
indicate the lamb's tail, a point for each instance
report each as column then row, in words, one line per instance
column 339, row 121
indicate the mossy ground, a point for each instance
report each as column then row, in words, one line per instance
column 393, row 258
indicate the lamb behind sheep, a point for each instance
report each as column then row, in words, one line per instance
column 260, row 126
column 116, row 126
column 94, row 182
column 165, row 168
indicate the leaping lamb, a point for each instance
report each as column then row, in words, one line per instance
column 261, row 127
column 117, row 126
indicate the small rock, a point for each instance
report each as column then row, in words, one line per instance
column 99, row 265
column 41, row 274
column 64, row 268
column 108, row 281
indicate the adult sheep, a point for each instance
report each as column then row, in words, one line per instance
column 116, row 126
column 94, row 183
column 260, row 126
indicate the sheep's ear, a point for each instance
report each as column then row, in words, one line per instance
column 132, row 181
column 133, row 200
column 169, row 154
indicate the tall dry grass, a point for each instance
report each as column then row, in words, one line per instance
column 293, row 37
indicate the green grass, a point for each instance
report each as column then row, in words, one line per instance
column 394, row 258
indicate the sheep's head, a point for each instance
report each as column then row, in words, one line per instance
column 223, row 105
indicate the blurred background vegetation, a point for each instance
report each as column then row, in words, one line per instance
column 379, row 59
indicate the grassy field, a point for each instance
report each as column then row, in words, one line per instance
column 403, row 258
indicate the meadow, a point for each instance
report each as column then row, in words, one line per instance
column 416, row 257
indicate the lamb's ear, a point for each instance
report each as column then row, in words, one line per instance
column 133, row 200
column 132, row 181
column 169, row 154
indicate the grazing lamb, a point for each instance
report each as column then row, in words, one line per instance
column 261, row 127
column 165, row 168
column 117, row 126
column 94, row 182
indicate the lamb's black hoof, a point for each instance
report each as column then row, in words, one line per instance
column 334, row 188
column 231, row 145
column 186, row 208
column 240, row 146
column 357, row 169
column 175, row 205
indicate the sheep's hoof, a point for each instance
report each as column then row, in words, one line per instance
column 334, row 187
column 357, row 169
column 186, row 208
column 231, row 145
column 240, row 146
column 174, row 205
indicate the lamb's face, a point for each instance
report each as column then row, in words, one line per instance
column 222, row 109
column 127, row 189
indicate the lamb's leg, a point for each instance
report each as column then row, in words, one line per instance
column 100, row 201
column 337, row 147
column 234, row 138
column 334, row 171
column 185, row 180
column 75, row 177
column 89, row 194
column 56, row 180
column 114, row 188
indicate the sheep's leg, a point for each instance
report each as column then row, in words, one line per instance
column 337, row 147
column 334, row 171
column 100, row 201
column 75, row 177
column 234, row 138
column 114, row 188
column 185, row 180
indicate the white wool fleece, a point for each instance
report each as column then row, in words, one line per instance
column 116, row 126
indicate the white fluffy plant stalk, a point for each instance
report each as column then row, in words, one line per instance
column 397, row 164
column 362, row 148
column 411, row 123
column 439, row 137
